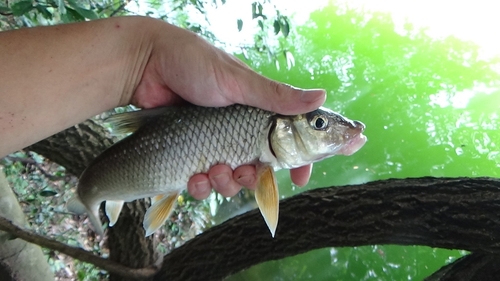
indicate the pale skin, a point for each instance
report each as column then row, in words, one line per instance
column 55, row 77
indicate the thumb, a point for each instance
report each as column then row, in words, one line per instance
column 259, row 91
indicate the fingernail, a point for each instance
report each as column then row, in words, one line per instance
column 312, row 95
column 202, row 185
column 247, row 180
column 221, row 180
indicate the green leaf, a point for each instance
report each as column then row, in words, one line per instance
column 62, row 9
column 22, row 7
column 43, row 10
column 254, row 10
column 71, row 16
column 259, row 7
column 47, row 193
column 81, row 274
column 277, row 27
column 87, row 13
column 261, row 24
column 82, row 11
column 5, row 10
column 240, row 24
column 285, row 26
column 30, row 198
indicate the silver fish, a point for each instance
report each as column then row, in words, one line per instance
column 171, row 144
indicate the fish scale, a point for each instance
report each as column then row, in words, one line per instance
column 169, row 145
column 167, row 165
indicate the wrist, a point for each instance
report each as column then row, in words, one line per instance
column 135, row 42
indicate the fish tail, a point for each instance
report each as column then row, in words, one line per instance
column 76, row 206
column 95, row 220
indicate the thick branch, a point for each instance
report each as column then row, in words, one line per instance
column 75, row 147
column 475, row 266
column 446, row 213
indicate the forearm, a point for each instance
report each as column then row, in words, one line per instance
column 55, row 77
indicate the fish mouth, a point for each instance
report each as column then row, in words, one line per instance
column 353, row 145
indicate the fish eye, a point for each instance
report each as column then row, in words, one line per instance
column 319, row 122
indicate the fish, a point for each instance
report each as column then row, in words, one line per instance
column 168, row 145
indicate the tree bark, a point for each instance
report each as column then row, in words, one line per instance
column 75, row 147
column 19, row 260
column 437, row 212
column 475, row 266
column 127, row 243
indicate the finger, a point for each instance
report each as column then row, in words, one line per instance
column 199, row 186
column 300, row 176
column 221, row 179
column 246, row 176
column 259, row 91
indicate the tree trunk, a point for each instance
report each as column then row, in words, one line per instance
column 19, row 260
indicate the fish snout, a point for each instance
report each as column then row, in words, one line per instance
column 355, row 127
column 354, row 138
column 359, row 125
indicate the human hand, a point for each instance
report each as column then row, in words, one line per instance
column 182, row 66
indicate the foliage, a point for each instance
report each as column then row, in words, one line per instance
column 42, row 189
column 431, row 109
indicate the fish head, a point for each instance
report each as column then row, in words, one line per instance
column 307, row 138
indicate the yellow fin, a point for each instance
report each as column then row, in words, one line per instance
column 267, row 197
column 113, row 209
column 158, row 213
column 129, row 122
column 157, row 198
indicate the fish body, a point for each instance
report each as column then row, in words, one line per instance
column 169, row 145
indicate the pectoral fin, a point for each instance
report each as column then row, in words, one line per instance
column 159, row 212
column 113, row 209
column 157, row 198
column 267, row 197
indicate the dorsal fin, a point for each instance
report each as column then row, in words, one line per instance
column 129, row 122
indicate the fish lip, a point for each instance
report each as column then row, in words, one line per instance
column 354, row 144
column 360, row 125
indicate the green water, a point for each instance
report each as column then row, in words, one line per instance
column 431, row 108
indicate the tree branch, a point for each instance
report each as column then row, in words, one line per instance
column 475, row 266
column 451, row 213
column 77, row 253
column 121, row 7
column 81, row 143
